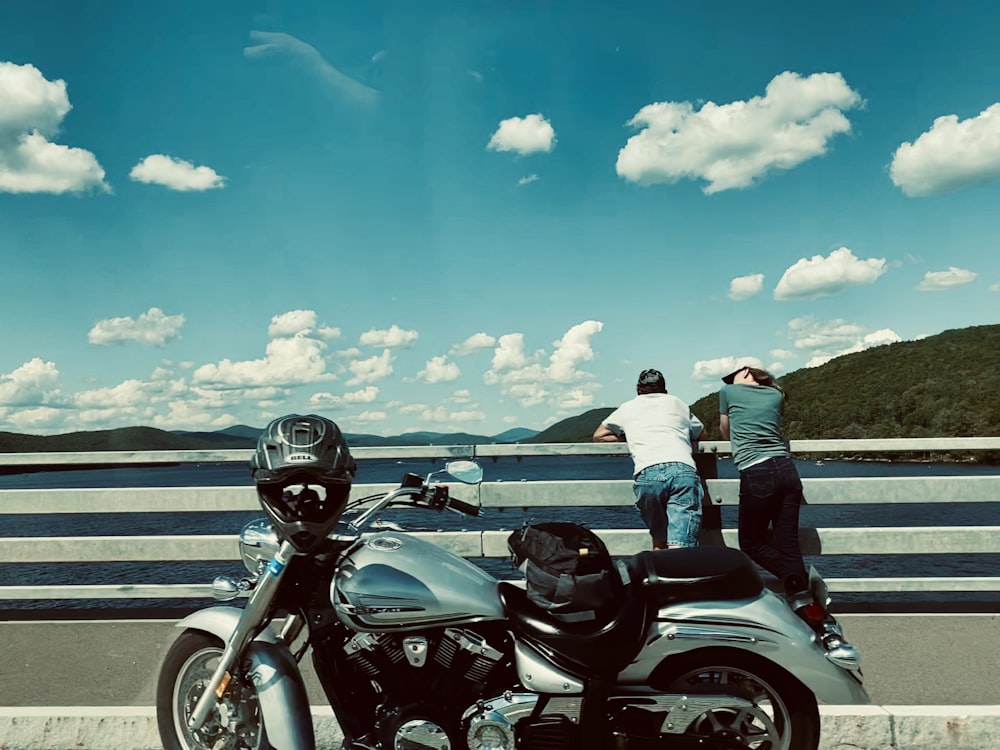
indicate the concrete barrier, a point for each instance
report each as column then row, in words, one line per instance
column 842, row 728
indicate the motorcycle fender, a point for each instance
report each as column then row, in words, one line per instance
column 765, row 627
column 281, row 692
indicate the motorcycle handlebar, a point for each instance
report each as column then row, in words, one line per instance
column 462, row 507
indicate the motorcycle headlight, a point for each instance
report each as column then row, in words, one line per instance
column 258, row 544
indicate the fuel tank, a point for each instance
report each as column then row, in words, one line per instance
column 395, row 581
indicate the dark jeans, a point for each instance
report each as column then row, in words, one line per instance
column 770, row 496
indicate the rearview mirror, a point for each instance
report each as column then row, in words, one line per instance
column 468, row 472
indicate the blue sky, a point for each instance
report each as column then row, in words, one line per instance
column 477, row 215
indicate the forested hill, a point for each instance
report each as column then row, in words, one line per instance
column 123, row 439
column 941, row 386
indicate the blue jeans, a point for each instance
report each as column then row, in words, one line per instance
column 668, row 497
column 770, row 496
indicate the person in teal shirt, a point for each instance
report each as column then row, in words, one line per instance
column 751, row 409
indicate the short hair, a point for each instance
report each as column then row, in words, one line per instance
column 651, row 381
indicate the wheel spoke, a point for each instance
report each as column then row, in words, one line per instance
column 764, row 725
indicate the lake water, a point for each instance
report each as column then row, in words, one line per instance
column 527, row 468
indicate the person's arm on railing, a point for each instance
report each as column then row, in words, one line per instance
column 603, row 434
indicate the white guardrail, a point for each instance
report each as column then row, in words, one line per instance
column 956, row 540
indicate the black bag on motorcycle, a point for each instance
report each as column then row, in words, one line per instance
column 568, row 570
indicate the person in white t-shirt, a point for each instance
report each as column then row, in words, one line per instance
column 659, row 429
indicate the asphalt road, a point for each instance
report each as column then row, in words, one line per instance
column 907, row 659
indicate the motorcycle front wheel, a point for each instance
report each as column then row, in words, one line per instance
column 233, row 724
column 783, row 715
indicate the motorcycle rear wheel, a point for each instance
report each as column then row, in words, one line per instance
column 784, row 714
column 234, row 723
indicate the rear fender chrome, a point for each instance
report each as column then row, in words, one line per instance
column 765, row 627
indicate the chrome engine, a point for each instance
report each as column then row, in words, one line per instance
column 425, row 681
column 371, row 653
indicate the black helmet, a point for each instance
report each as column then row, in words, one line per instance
column 309, row 451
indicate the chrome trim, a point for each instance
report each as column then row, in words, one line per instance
column 472, row 643
column 497, row 716
column 697, row 634
column 415, row 648
column 687, row 708
column 362, row 641
column 568, row 707
column 538, row 674
column 258, row 543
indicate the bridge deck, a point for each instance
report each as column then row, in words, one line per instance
column 907, row 659
column 90, row 685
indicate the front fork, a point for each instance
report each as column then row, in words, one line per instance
column 248, row 627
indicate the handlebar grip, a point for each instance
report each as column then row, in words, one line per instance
column 467, row 508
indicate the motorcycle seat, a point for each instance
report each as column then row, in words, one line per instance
column 600, row 647
column 693, row 574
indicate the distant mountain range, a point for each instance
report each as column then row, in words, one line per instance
column 940, row 386
column 232, row 438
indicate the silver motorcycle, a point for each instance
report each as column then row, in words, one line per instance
column 417, row 648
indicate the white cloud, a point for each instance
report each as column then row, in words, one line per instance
column 527, row 394
column 325, row 398
column 474, row 343
column 939, row 281
column 462, row 396
column 37, row 418
column 441, row 416
column 366, row 395
column 524, row 135
column 572, row 349
column 153, row 328
column 509, row 353
column 527, row 180
column 713, row 369
column 827, row 339
column 745, row 287
column 371, row 369
column 134, row 402
column 953, row 154
column 291, row 323
column 328, row 333
column 31, row 110
column 820, row 277
column 176, row 174
column 183, row 414
column 372, row 416
column 995, row 287
column 439, row 370
column 32, row 384
column 577, row 398
column 529, row 381
column 733, row 145
column 214, row 397
column 30, row 102
column 130, row 394
column 393, row 338
column 287, row 361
